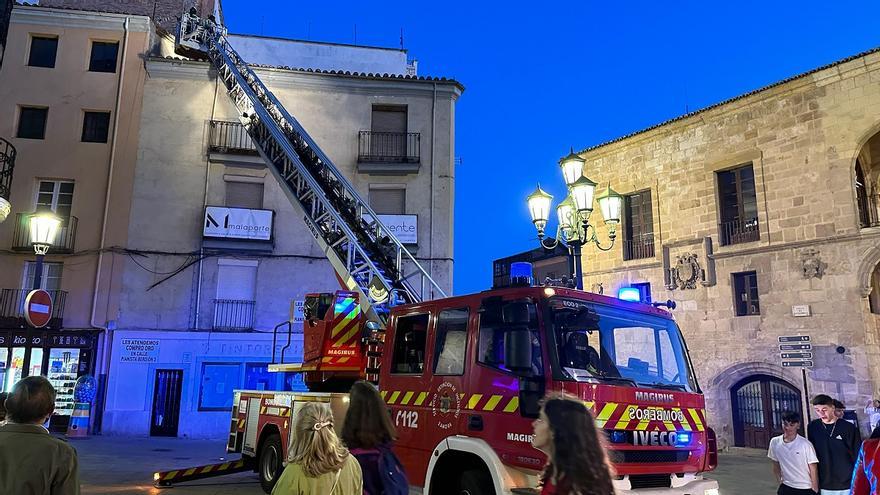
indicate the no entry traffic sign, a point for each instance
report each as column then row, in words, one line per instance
column 38, row 308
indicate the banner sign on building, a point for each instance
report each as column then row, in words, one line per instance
column 404, row 227
column 139, row 351
column 238, row 223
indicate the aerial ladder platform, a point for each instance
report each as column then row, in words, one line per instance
column 367, row 257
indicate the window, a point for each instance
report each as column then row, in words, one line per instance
column 388, row 132
column 51, row 279
column 409, row 344
column 43, row 50
column 490, row 350
column 236, row 279
column 103, row 58
column 32, row 122
column 96, row 127
column 638, row 223
column 867, row 208
column 244, row 195
column 55, row 196
column 644, row 291
column 388, row 118
column 646, row 355
column 258, row 377
column 738, row 205
column 451, row 345
column 745, row 294
column 218, row 382
column 388, row 201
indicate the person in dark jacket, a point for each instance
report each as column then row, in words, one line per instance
column 33, row 462
column 367, row 431
column 866, row 475
column 837, row 445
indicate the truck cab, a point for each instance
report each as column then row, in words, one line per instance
column 464, row 376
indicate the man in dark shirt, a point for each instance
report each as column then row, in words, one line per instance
column 837, row 445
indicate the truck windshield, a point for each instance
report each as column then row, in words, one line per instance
column 595, row 342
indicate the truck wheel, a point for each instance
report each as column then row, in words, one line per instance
column 269, row 463
column 476, row 482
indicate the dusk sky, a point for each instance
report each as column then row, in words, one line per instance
column 570, row 74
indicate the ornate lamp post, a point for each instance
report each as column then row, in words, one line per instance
column 43, row 227
column 573, row 214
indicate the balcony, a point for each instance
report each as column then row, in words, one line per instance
column 638, row 247
column 389, row 152
column 12, row 308
column 229, row 142
column 7, row 164
column 739, row 231
column 232, row 315
column 64, row 239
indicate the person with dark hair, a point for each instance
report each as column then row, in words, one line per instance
column 576, row 463
column 839, row 409
column 32, row 462
column 837, row 445
column 794, row 459
column 369, row 434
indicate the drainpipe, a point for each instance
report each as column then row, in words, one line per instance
column 433, row 149
column 102, row 361
column 204, row 206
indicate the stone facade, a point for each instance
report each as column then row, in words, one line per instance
column 802, row 137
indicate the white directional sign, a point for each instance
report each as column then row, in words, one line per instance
column 796, row 351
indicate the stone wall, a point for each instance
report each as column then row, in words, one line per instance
column 802, row 138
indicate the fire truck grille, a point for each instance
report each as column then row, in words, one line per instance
column 649, row 456
column 640, row 481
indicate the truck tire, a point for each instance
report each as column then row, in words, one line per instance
column 269, row 464
column 476, row 482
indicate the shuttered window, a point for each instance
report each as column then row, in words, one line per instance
column 388, row 201
column 388, row 119
column 244, row 195
column 638, row 226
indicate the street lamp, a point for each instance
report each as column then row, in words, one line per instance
column 573, row 214
column 44, row 227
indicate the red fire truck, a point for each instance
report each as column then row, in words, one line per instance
column 463, row 377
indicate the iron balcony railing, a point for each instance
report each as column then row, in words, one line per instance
column 7, row 164
column 389, row 147
column 64, row 239
column 230, row 137
column 739, row 231
column 638, row 247
column 233, row 315
column 12, row 307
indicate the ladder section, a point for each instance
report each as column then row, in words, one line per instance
column 366, row 255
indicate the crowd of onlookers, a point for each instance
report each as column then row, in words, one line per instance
column 831, row 460
column 834, row 461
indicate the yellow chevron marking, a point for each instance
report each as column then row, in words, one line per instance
column 693, row 413
column 474, row 400
column 492, row 402
column 512, row 406
column 394, row 396
column 189, row 472
column 208, row 469
column 624, row 420
column 343, row 360
column 670, row 426
column 643, row 425
column 263, row 410
column 607, row 411
column 590, row 405
column 353, row 330
column 406, row 398
column 171, row 475
column 382, row 393
column 421, row 398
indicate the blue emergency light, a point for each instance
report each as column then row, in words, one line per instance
column 521, row 273
column 631, row 294
column 682, row 438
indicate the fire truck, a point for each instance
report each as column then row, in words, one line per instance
column 462, row 376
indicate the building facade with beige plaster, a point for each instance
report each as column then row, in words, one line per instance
column 70, row 93
column 758, row 216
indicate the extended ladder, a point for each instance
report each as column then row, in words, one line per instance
column 367, row 257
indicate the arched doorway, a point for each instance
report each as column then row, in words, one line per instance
column 758, row 403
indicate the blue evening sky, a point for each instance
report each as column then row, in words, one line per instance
column 540, row 78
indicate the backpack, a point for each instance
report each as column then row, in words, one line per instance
column 391, row 473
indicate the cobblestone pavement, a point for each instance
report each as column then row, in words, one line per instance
column 125, row 466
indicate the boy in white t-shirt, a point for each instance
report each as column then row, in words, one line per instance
column 794, row 459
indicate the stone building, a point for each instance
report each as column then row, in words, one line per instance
column 758, row 216
column 70, row 90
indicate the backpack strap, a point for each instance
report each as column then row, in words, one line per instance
column 336, row 480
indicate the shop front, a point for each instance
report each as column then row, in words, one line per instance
column 60, row 356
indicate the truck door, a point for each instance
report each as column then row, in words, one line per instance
column 404, row 389
column 502, row 403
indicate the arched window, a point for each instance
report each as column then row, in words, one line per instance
column 866, row 208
